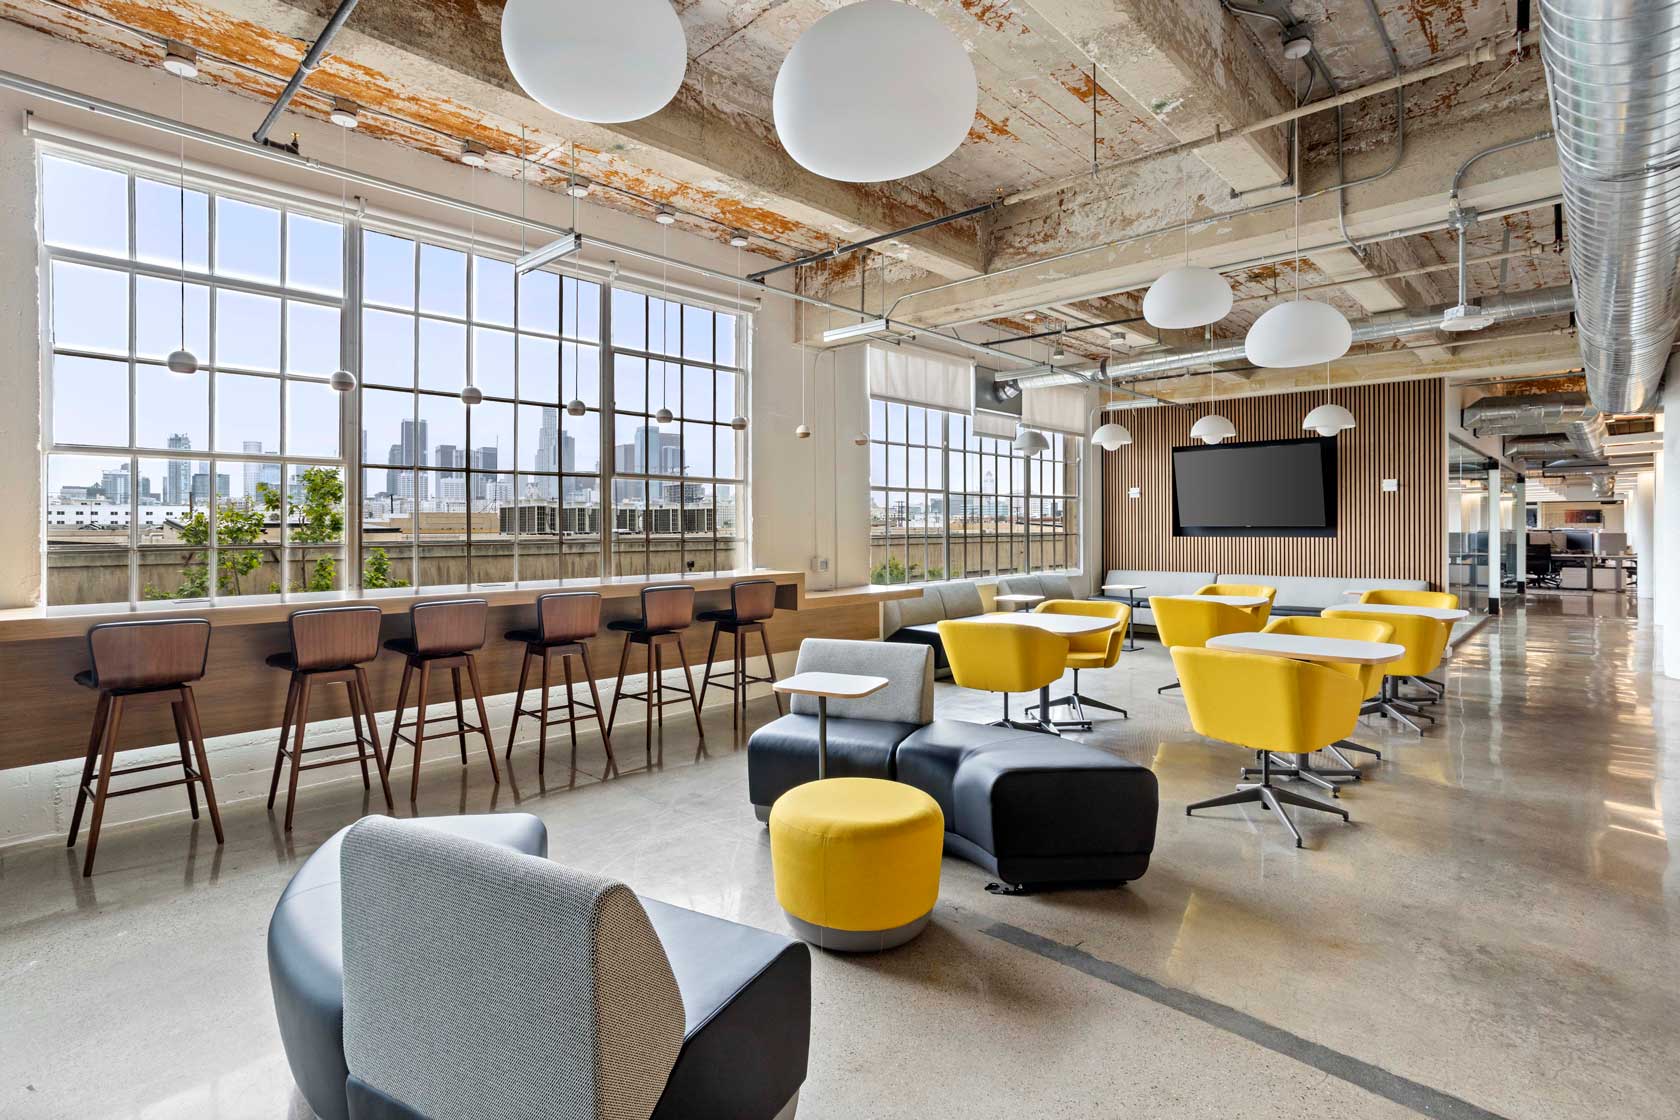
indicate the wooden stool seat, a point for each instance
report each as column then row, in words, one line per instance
column 667, row 611
column 751, row 603
column 143, row 662
column 565, row 620
column 445, row 635
column 329, row 646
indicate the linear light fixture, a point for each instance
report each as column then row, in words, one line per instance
column 565, row 246
column 857, row 330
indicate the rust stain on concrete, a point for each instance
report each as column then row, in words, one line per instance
column 1436, row 20
column 994, row 15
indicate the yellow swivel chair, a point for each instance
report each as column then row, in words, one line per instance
column 1262, row 612
column 1087, row 651
column 1189, row 623
column 1441, row 600
column 1269, row 704
column 1005, row 657
column 1425, row 640
column 1370, row 678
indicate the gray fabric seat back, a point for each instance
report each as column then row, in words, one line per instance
column 482, row 982
column 909, row 668
column 1020, row 585
column 1160, row 583
column 961, row 600
column 1053, row 585
column 899, row 613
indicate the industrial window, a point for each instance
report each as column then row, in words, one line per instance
column 946, row 502
column 221, row 483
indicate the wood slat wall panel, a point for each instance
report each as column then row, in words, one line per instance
column 1401, row 435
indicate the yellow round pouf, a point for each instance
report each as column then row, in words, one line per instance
column 856, row 861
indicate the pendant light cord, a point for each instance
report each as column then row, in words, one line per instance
column 182, row 117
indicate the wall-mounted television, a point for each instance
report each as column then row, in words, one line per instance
column 1270, row 488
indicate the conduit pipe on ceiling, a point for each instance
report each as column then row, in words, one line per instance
column 1613, row 75
column 311, row 60
column 1388, row 324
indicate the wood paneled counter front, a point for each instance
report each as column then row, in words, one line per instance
column 45, row 715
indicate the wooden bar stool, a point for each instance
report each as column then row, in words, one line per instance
column 446, row 632
column 146, row 662
column 564, row 620
column 667, row 611
column 329, row 646
column 751, row 602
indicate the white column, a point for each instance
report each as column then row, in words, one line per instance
column 1641, row 532
column 1494, row 554
column 1666, row 604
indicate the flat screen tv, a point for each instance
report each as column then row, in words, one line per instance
column 1271, row 488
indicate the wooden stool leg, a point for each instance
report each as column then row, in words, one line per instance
column 379, row 761
column 96, row 740
column 595, row 696
column 190, row 704
column 647, row 728
column 297, row 750
column 107, row 753
column 711, row 653
column 618, row 689
column 693, row 697
column 542, row 726
column 483, row 717
column 571, row 709
column 460, row 714
column 770, row 661
column 356, row 729
column 396, row 725
column 518, row 700
column 419, row 729
column 186, row 760
column 737, row 686
column 285, row 731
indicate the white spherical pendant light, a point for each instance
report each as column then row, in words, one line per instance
column 1302, row 332
column 1328, row 419
column 605, row 63
column 1187, row 297
column 182, row 361
column 874, row 91
column 1111, row 437
column 342, row 381
column 1213, row 428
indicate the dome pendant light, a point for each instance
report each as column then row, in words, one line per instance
column 1110, row 436
column 575, row 406
column 1302, row 332
column 1030, row 441
column 601, row 63
column 342, row 380
column 873, row 91
column 1328, row 419
column 471, row 394
column 1212, row 428
column 738, row 422
column 183, row 360
column 664, row 416
column 1188, row 296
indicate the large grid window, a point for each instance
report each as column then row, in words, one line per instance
column 254, row 477
column 946, row 502
column 677, row 484
column 226, row 482
column 508, row 490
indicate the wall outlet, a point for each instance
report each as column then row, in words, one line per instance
column 1134, row 492
column 819, row 563
column 1391, row 485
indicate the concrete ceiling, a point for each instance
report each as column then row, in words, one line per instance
column 432, row 75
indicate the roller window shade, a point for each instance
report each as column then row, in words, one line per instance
column 921, row 378
column 999, row 425
column 1059, row 408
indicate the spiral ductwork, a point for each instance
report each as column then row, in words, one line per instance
column 1613, row 72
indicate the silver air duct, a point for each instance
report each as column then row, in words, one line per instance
column 1581, row 424
column 1613, row 73
column 1376, row 328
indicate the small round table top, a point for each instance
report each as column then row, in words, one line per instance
column 834, row 686
column 1303, row 647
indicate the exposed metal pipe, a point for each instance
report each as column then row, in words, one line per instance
column 1385, row 325
column 1582, row 425
column 842, row 250
column 311, row 60
column 1613, row 75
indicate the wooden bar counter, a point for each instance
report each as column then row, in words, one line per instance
column 45, row 715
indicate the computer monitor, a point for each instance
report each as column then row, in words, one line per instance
column 1576, row 540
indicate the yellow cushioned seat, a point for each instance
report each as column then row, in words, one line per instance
column 1425, row 640
column 1262, row 612
column 856, row 861
column 1394, row 597
column 1088, row 651
column 993, row 657
column 1370, row 677
column 1183, row 623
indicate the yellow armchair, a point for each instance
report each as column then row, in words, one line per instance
column 1425, row 640
column 1370, row 677
column 1001, row 657
column 1262, row 612
column 1088, row 651
column 1271, row 705
column 1393, row 597
column 1183, row 623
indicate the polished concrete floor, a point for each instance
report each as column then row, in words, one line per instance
column 1493, row 936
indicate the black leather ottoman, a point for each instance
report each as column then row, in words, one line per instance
column 1032, row 809
column 783, row 754
column 306, row 959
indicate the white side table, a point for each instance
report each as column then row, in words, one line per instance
column 840, row 686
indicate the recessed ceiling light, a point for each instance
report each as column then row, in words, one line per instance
column 1032, row 316
column 738, row 240
column 474, row 154
column 665, row 217
column 578, row 188
column 1297, row 47
column 180, row 60
column 343, row 113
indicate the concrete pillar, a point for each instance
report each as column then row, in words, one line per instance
column 1641, row 532
column 1494, row 543
column 1666, row 603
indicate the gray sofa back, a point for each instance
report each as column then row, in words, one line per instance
column 909, row 668
column 1051, row 585
column 482, row 982
column 1311, row 594
column 937, row 601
